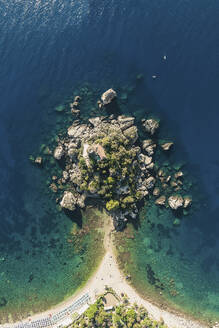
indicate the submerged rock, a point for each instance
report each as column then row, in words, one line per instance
column 176, row 222
column 60, row 108
column 175, row 201
column 108, row 96
column 3, row 301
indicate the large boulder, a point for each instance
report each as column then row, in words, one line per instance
column 77, row 131
column 125, row 122
column 187, row 201
column 151, row 125
column 81, row 200
column 149, row 146
column 108, row 96
column 95, row 121
column 59, row 152
column 166, row 146
column 144, row 159
column 150, row 182
column 131, row 133
column 175, row 201
column 161, row 200
column 68, row 201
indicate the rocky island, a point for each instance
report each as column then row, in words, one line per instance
column 104, row 159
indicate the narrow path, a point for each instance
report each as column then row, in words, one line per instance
column 108, row 274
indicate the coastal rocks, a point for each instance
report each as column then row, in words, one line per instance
column 175, row 201
column 75, row 175
column 131, row 133
column 38, row 161
column 144, row 159
column 150, row 182
column 149, row 146
column 125, row 122
column 156, row 192
column 103, row 158
column 72, row 150
column 108, row 96
column 187, row 201
column 161, row 200
column 166, row 146
column 178, row 174
column 95, row 121
column 75, row 111
column 68, row 201
column 81, row 200
column 53, row 187
column 77, row 131
column 59, row 152
column 151, row 125
column 75, row 106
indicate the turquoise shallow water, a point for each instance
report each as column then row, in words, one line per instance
column 181, row 274
column 44, row 255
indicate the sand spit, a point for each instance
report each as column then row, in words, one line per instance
column 108, row 274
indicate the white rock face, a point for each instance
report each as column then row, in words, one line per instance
column 108, row 96
column 175, row 202
column 68, row 201
column 59, row 152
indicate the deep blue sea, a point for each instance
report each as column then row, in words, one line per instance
column 49, row 47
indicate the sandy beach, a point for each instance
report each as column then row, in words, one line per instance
column 108, row 274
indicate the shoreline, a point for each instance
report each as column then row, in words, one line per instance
column 108, row 274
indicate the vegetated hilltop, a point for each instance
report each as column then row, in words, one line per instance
column 109, row 311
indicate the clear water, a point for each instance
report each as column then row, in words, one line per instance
column 46, row 49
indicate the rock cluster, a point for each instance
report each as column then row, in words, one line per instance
column 103, row 159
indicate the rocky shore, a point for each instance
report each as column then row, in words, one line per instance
column 105, row 160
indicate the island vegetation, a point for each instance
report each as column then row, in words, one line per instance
column 104, row 161
column 119, row 314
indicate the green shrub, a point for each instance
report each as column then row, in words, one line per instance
column 112, row 205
